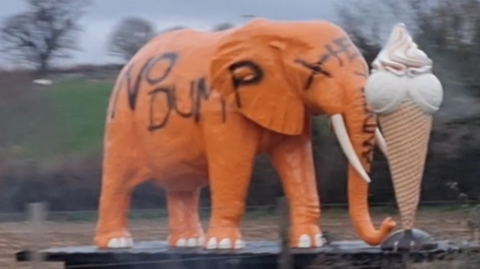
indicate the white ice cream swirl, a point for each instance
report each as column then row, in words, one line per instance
column 402, row 72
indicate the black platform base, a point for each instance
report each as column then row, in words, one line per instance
column 256, row 255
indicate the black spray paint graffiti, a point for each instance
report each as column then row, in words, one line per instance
column 342, row 46
column 198, row 91
column 337, row 48
column 255, row 78
column 133, row 87
column 369, row 126
column 317, row 69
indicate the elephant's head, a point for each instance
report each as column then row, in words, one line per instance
column 405, row 94
column 279, row 73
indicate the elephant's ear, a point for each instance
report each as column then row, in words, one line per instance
column 247, row 69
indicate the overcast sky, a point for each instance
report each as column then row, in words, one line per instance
column 103, row 14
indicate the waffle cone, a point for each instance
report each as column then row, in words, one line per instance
column 407, row 132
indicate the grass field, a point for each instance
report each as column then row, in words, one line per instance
column 14, row 235
column 45, row 123
column 82, row 107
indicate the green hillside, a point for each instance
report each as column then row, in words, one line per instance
column 82, row 107
column 79, row 111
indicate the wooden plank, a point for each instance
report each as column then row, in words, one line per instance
column 37, row 212
column 285, row 257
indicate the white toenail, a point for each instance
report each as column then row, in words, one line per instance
column 304, row 241
column 182, row 242
column 120, row 242
column 212, row 243
column 319, row 241
column 225, row 243
column 192, row 242
column 113, row 243
column 201, row 240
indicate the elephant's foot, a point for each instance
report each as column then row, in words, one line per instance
column 224, row 238
column 121, row 239
column 306, row 236
column 409, row 240
column 193, row 238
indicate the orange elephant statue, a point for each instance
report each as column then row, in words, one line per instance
column 193, row 108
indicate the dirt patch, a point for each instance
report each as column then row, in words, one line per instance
column 14, row 236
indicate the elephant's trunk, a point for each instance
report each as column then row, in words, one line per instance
column 407, row 131
column 361, row 124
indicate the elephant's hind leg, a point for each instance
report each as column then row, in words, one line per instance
column 185, row 227
column 120, row 177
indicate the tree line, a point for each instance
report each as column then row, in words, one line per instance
column 49, row 29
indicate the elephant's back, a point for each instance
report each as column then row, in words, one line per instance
column 162, row 95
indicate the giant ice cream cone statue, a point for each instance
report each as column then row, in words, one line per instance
column 405, row 94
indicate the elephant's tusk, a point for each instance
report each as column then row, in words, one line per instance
column 346, row 144
column 382, row 144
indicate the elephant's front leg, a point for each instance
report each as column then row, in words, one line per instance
column 185, row 227
column 293, row 160
column 231, row 151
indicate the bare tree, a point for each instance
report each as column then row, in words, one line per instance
column 223, row 26
column 449, row 32
column 129, row 35
column 44, row 32
column 443, row 22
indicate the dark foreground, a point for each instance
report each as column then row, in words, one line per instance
column 257, row 254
